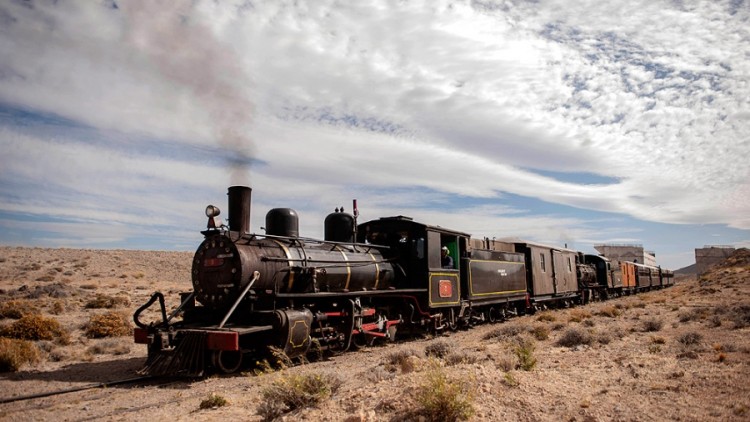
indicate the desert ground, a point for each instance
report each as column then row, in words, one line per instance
column 681, row 353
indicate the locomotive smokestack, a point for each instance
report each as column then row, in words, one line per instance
column 239, row 208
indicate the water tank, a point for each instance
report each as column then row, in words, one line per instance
column 282, row 222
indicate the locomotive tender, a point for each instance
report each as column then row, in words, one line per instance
column 361, row 283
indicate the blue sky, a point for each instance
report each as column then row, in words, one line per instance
column 574, row 123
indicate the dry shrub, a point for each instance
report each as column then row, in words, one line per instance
column 404, row 359
column 658, row 340
column 444, row 399
column 378, row 374
column 55, row 290
column 36, row 327
column 110, row 324
column 740, row 316
column 438, row 349
column 604, row 338
column 102, row 301
column 690, row 338
column 652, row 324
column 546, row 316
column 296, row 392
column 506, row 362
column 540, row 332
column 574, row 337
column 15, row 309
column 15, row 353
column 57, row 308
column 609, row 311
column 462, row 357
column 505, row 331
column 213, row 401
column 695, row 314
column 578, row 315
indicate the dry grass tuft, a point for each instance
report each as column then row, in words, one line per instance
column 578, row 315
column 609, row 311
column 36, row 327
column 102, row 301
column 546, row 316
column 296, row 392
column 16, row 353
column 110, row 324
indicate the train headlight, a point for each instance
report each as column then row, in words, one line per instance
column 212, row 212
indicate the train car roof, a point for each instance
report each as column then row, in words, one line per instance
column 539, row 245
column 409, row 220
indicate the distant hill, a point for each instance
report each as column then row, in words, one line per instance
column 689, row 270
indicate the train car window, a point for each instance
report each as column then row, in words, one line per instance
column 419, row 248
column 541, row 262
column 570, row 268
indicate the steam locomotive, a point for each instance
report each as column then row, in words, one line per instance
column 362, row 283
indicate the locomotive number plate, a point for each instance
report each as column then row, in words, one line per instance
column 445, row 288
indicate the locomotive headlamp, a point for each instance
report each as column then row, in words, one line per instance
column 212, row 212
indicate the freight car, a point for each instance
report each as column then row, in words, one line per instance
column 360, row 284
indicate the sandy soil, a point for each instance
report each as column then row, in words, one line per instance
column 676, row 354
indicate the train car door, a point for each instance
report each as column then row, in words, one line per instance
column 563, row 272
column 444, row 280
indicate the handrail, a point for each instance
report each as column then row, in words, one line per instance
column 256, row 276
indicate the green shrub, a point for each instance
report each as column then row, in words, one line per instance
column 524, row 351
column 443, row 399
